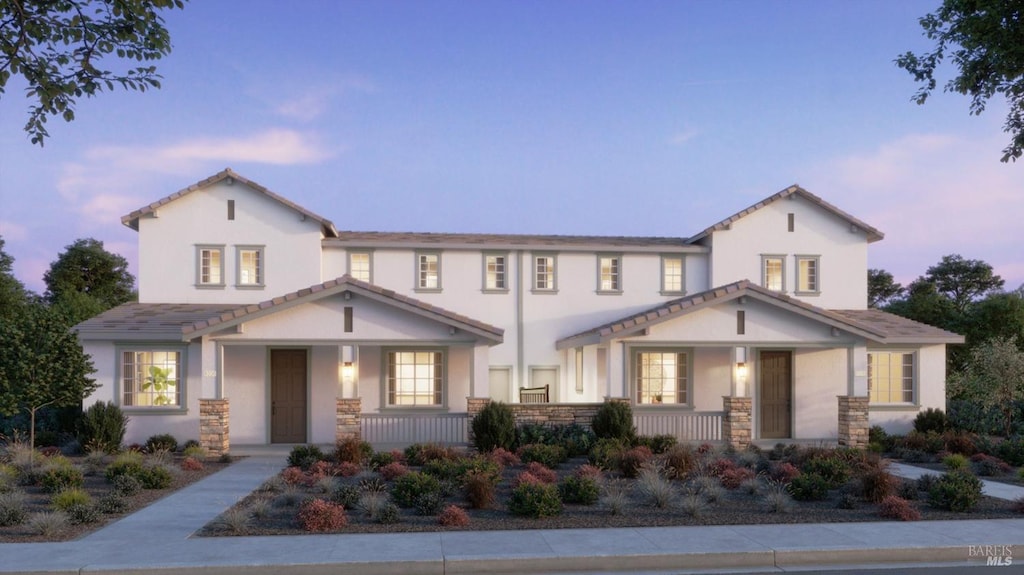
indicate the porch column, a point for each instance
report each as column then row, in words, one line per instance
column 736, row 426
column 214, row 433
column 616, row 364
column 480, row 377
column 853, row 421
column 348, row 419
column 857, row 360
column 210, row 352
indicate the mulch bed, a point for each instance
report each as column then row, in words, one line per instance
column 97, row 486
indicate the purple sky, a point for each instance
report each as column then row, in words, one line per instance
column 572, row 117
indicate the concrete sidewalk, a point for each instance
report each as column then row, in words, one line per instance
column 157, row 539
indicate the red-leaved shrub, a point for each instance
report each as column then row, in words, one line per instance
column 191, row 464
column 893, row 507
column 784, row 472
column 592, row 471
column 541, row 472
column 320, row 516
column 719, row 466
column 525, row 477
column 393, row 470
column 503, row 457
column 631, row 460
column 293, row 476
column 734, row 477
column 453, row 516
column 347, row 469
column 479, row 487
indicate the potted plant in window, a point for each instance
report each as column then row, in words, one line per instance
column 159, row 382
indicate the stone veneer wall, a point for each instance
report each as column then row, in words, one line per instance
column 736, row 424
column 543, row 413
column 853, row 421
column 348, row 418
column 214, row 430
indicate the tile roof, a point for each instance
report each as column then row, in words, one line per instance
column 334, row 286
column 873, row 234
column 132, row 220
column 421, row 238
column 874, row 325
column 153, row 321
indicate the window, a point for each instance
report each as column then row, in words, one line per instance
column 661, row 377
column 579, row 370
column 495, row 278
column 544, row 274
column 151, row 378
column 807, row 275
column 773, row 273
column 415, row 378
column 210, row 266
column 360, row 266
column 609, row 274
column 890, row 377
column 250, row 266
column 428, row 271
column 672, row 275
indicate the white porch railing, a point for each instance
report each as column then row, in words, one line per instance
column 683, row 425
column 414, row 428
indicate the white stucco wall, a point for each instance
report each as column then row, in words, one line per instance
column 245, row 387
column 819, row 378
column 168, row 255
column 843, row 253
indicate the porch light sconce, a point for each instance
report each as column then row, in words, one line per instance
column 348, row 372
column 741, row 364
column 741, row 371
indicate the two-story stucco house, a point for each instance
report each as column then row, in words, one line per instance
column 260, row 322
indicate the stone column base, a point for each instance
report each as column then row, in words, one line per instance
column 736, row 423
column 348, row 420
column 214, row 431
column 853, row 421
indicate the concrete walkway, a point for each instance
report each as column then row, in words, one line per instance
column 990, row 488
column 157, row 539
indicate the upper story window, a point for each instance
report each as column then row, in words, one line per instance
column 773, row 272
column 250, row 266
column 428, row 271
column 544, row 279
column 210, row 266
column 360, row 266
column 152, row 378
column 661, row 376
column 807, row 269
column 891, row 376
column 495, row 272
column 673, row 275
column 609, row 274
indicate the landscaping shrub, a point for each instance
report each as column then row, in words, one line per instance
column 549, row 455
column 989, row 466
column 347, row 496
column 591, row 471
column 658, row 444
column 631, row 460
column 388, row 514
column 112, row 504
column 809, row 487
column 304, row 456
column 605, row 453
column 1011, row 450
column 59, row 477
column 319, row 516
column 161, row 442
column 381, row 458
column 541, row 472
column 783, row 472
column 955, row 461
column 74, row 496
column 832, row 469
column 524, row 477
column 614, row 420
column 955, row 491
column 879, row 437
column 156, row 477
column 191, row 464
column 352, row 450
column 83, row 513
column 48, row 524
column 962, row 442
column 428, row 503
column 410, row 486
column 126, row 485
column 535, row 500
column 576, row 439
column 930, row 442
column 443, row 468
column 493, row 427
column 195, row 451
column 733, row 478
column 393, row 470
column 893, row 507
column 293, row 475
column 878, row 484
column 453, row 516
column 479, row 487
column 347, row 469
column 102, row 427
column 931, row 420
column 926, row 481
column 423, row 453
column 127, row 463
column 680, row 460
column 776, row 498
column 504, row 457
column 12, row 508
column 655, row 487
column 581, row 490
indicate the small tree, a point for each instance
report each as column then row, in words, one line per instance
column 85, row 267
column 882, row 288
column 993, row 377
column 41, row 364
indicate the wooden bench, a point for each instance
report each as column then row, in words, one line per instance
column 533, row 394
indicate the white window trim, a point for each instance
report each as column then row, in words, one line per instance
column 369, row 257
column 485, row 288
column 385, row 403
column 181, row 408
column 554, row 272
column 418, row 279
column 764, row 271
column 200, row 248
column 682, row 274
column 915, row 388
column 817, row 274
column 617, row 288
column 634, row 355
column 261, row 272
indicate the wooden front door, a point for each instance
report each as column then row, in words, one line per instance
column 776, row 394
column 288, row 396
